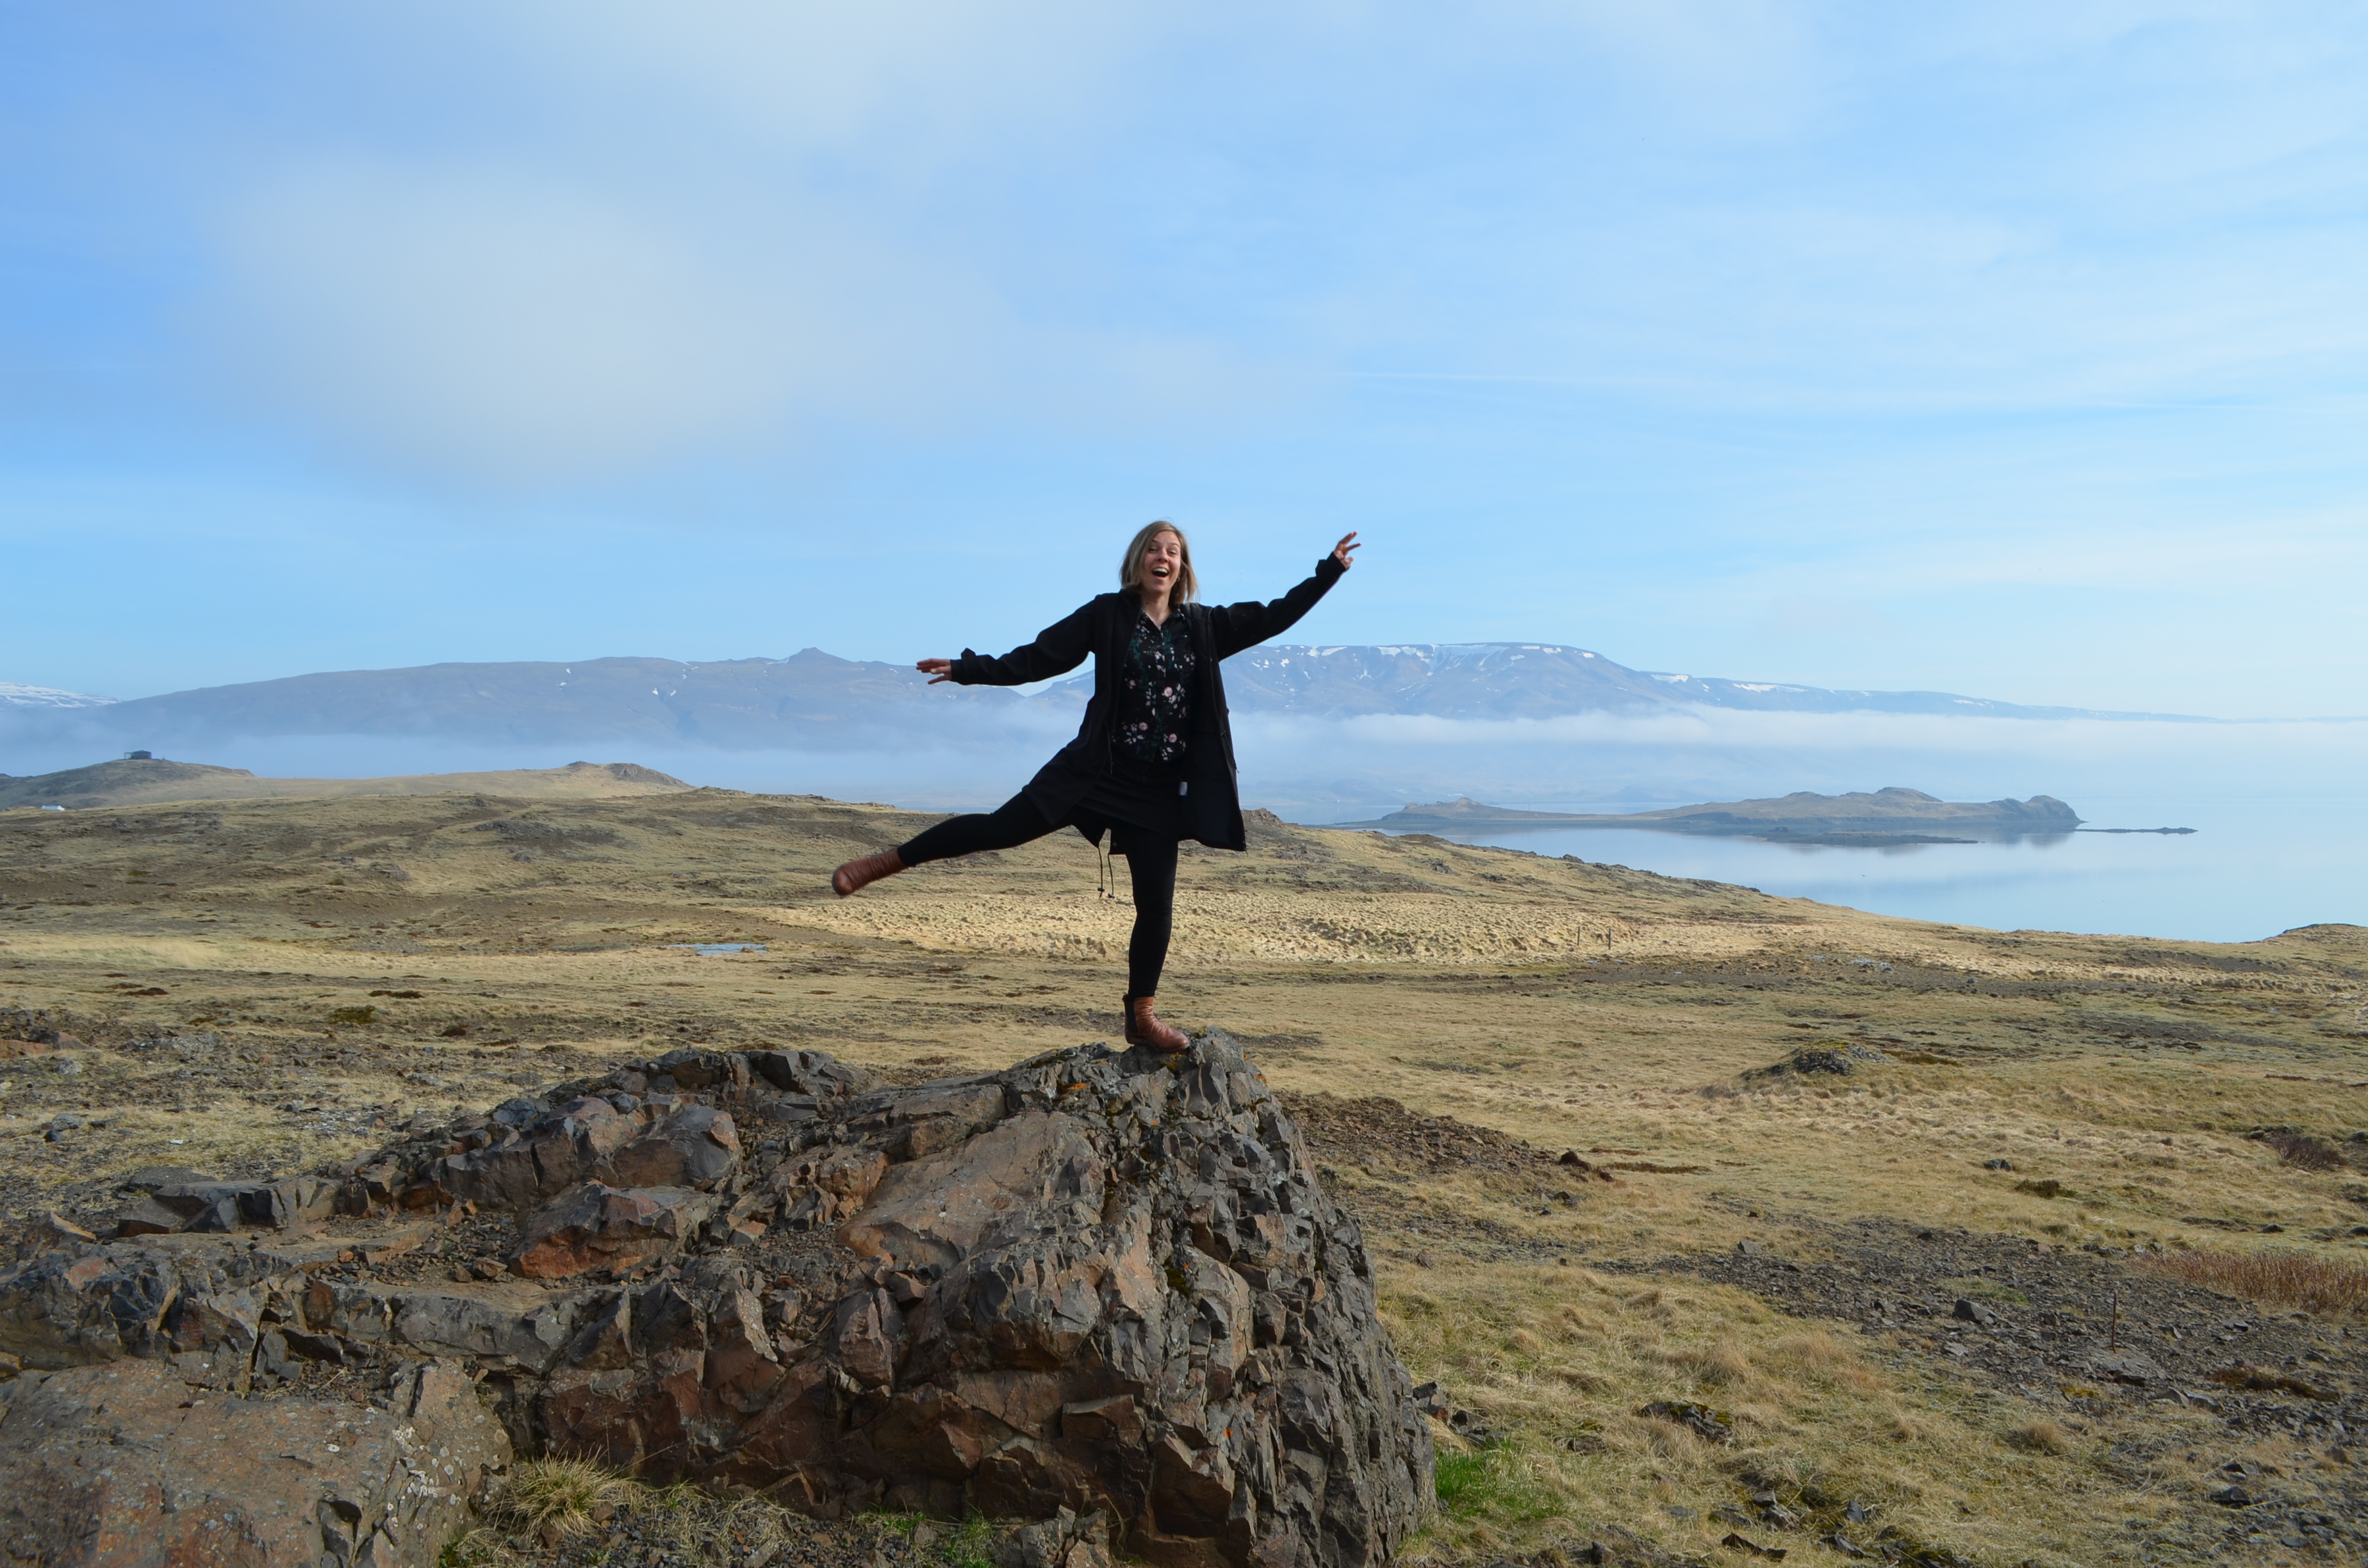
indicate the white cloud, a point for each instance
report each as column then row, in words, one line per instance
column 642, row 233
column 492, row 323
column 499, row 325
column 923, row 75
column 707, row 230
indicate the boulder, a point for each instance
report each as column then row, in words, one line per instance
column 1102, row 1282
column 203, row 1205
column 124, row 1464
column 537, row 1152
column 148, row 1178
column 1102, row 1290
column 693, row 1145
column 598, row 1227
column 71, row 1308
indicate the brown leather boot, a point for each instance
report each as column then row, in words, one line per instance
column 1141, row 1029
column 862, row 873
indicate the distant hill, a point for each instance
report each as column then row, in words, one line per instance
column 807, row 699
column 149, row 780
column 813, row 700
column 1884, row 813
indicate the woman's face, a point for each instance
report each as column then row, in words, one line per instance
column 1163, row 564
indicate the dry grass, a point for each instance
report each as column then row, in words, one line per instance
column 555, row 1499
column 2306, row 1153
column 2039, row 1438
column 1558, row 1362
column 554, row 1502
column 2278, row 1276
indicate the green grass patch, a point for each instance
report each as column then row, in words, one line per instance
column 971, row 1545
column 1488, row 1483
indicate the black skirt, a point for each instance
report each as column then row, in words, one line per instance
column 1132, row 802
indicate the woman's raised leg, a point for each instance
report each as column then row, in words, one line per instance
column 1009, row 825
column 1012, row 823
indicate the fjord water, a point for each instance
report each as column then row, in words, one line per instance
column 2252, row 869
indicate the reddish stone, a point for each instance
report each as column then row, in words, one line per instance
column 125, row 1465
column 595, row 1227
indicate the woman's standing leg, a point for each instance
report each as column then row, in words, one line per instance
column 1012, row 823
column 1151, row 866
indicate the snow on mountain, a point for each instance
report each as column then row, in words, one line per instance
column 15, row 695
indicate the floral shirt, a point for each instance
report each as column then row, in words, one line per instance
column 1154, row 693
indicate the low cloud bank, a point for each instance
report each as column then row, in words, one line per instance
column 1601, row 761
column 1345, row 769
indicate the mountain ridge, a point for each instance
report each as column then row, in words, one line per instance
column 1480, row 680
column 813, row 697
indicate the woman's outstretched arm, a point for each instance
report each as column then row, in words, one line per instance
column 1058, row 649
column 1246, row 625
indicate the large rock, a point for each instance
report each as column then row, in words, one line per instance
column 205, row 1205
column 125, row 1464
column 1101, row 1283
column 595, row 1227
column 657, row 1141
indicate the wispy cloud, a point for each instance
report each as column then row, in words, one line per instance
column 1993, row 348
column 775, row 212
column 492, row 325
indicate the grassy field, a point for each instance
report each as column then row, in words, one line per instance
column 263, row 985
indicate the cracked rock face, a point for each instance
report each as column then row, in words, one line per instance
column 1099, row 1282
column 119, row 1464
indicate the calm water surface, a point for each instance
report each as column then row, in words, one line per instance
column 2253, row 869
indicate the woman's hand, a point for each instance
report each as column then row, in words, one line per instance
column 1343, row 552
column 937, row 670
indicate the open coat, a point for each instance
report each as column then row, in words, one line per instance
column 1213, row 803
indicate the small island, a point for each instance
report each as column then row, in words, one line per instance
column 1889, row 816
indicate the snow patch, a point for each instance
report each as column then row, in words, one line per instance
column 15, row 695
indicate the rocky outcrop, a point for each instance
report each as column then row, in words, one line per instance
column 1100, row 1284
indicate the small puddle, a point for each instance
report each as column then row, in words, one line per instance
column 706, row 949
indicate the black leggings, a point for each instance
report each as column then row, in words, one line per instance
column 1150, row 862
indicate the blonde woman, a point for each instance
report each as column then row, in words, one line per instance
column 1153, row 764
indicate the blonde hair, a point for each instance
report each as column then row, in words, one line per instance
column 1129, row 570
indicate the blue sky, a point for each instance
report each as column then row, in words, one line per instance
column 2013, row 349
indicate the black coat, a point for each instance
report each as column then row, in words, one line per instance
column 1213, row 803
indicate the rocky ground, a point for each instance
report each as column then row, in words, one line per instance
column 2078, row 1336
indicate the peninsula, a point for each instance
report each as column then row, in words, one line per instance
column 1893, row 815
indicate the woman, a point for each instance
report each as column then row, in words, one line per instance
column 1153, row 764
